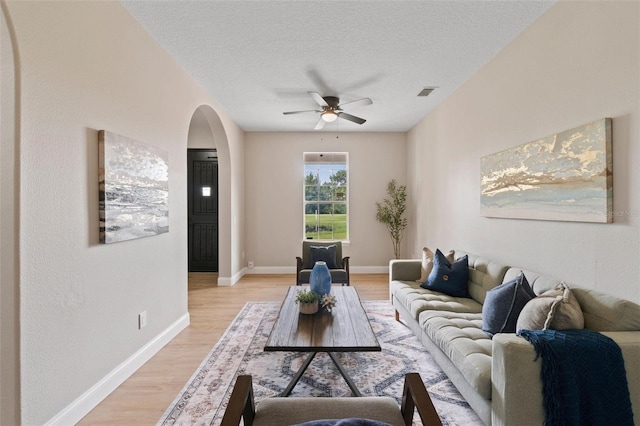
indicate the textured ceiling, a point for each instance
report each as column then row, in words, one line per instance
column 258, row 59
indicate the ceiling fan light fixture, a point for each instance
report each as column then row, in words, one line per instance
column 332, row 109
column 329, row 116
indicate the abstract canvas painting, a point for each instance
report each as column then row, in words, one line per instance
column 566, row 176
column 134, row 189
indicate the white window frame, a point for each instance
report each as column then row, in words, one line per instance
column 330, row 161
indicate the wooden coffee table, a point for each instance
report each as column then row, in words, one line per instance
column 345, row 329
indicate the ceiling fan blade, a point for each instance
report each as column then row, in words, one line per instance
column 300, row 112
column 363, row 101
column 319, row 124
column 319, row 99
column 350, row 117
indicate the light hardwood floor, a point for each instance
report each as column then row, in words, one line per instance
column 143, row 398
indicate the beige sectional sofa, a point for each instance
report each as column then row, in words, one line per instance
column 500, row 377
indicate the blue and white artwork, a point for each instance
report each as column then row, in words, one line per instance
column 134, row 189
column 566, row 176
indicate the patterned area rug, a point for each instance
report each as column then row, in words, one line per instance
column 240, row 351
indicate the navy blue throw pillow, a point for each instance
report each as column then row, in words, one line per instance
column 448, row 278
column 502, row 305
column 324, row 254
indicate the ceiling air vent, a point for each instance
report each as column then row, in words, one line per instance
column 427, row 91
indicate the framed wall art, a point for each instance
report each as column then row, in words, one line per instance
column 566, row 176
column 134, row 189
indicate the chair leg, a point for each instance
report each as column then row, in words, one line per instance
column 241, row 403
column 415, row 395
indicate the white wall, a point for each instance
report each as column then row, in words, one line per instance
column 232, row 218
column 9, row 284
column 579, row 62
column 86, row 66
column 274, row 184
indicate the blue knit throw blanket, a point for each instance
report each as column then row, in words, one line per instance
column 583, row 377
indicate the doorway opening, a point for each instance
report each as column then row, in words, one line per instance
column 207, row 133
column 202, row 187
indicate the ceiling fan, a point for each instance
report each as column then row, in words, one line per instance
column 332, row 109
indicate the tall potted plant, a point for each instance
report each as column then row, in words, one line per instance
column 391, row 211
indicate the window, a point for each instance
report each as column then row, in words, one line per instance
column 326, row 204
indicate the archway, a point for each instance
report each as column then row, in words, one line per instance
column 207, row 131
column 9, row 222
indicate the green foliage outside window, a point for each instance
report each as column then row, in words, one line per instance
column 325, row 196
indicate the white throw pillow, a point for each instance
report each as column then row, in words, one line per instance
column 427, row 263
column 555, row 309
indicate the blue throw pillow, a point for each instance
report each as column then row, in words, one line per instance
column 448, row 278
column 324, row 254
column 503, row 304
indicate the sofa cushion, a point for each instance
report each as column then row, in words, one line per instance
column 427, row 263
column 460, row 337
column 449, row 278
column 417, row 299
column 502, row 305
column 555, row 309
column 484, row 274
column 324, row 254
column 537, row 281
column 604, row 312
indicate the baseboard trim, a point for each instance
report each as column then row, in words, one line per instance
column 272, row 270
column 292, row 270
column 266, row 270
column 86, row 402
column 229, row 281
column 369, row 269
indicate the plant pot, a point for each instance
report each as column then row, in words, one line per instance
column 308, row 308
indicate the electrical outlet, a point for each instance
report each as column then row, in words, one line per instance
column 250, row 264
column 142, row 319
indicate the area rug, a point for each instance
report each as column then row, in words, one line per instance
column 240, row 351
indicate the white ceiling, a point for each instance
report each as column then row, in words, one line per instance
column 259, row 58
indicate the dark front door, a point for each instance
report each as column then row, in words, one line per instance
column 203, row 210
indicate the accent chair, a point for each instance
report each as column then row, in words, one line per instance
column 278, row 411
column 325, row 251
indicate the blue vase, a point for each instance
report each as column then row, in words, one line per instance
column 320, row 279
